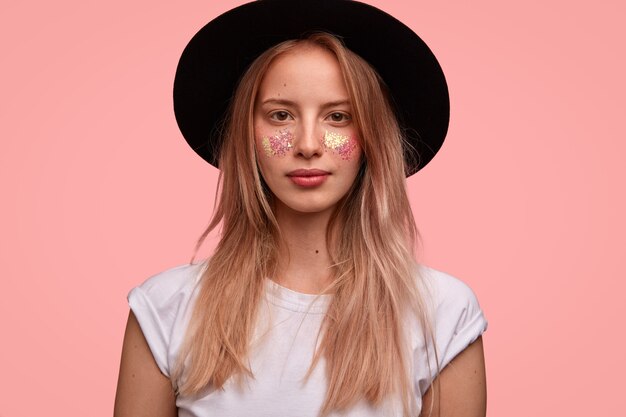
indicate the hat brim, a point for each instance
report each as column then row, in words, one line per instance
column 216, row 57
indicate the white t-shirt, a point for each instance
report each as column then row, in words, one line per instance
column 284, row 342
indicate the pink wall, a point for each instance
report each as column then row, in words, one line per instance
column 525, row 202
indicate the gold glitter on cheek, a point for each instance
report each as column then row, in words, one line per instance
column 342, row 145
column 278, row 144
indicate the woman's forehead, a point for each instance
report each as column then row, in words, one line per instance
column 311, row 72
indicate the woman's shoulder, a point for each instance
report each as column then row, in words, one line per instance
column 161, row 305
column 456, row 314
column 172, row 282
column 445, row 288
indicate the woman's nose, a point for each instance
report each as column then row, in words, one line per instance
column 308, row 141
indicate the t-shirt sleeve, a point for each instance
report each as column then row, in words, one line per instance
column 457, row 321
column 159, row 304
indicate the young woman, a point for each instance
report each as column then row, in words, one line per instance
column 312, row 303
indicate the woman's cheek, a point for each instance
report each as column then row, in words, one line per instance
column 340, row 144
column 277, row 144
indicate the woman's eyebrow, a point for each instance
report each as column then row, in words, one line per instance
column 337, row 103
column 278, row 101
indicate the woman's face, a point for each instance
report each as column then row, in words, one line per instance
column 306, row 139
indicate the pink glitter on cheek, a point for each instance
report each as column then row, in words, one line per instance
column 278, row 144
column 341, row 145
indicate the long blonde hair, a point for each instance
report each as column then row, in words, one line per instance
column 372, row 235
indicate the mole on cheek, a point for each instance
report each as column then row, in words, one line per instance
column 278, row 144
column 342, row 145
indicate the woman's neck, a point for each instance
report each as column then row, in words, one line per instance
column 304, row 261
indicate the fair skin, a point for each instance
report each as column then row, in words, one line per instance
column 142, row 390
column 302, row 93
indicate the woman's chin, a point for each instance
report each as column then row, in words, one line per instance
column 307, row 208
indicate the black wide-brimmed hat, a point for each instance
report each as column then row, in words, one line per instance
column 218, row 55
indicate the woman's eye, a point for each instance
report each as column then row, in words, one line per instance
column 339, row 117
column 280, row 116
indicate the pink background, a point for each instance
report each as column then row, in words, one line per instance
column 525, row 202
